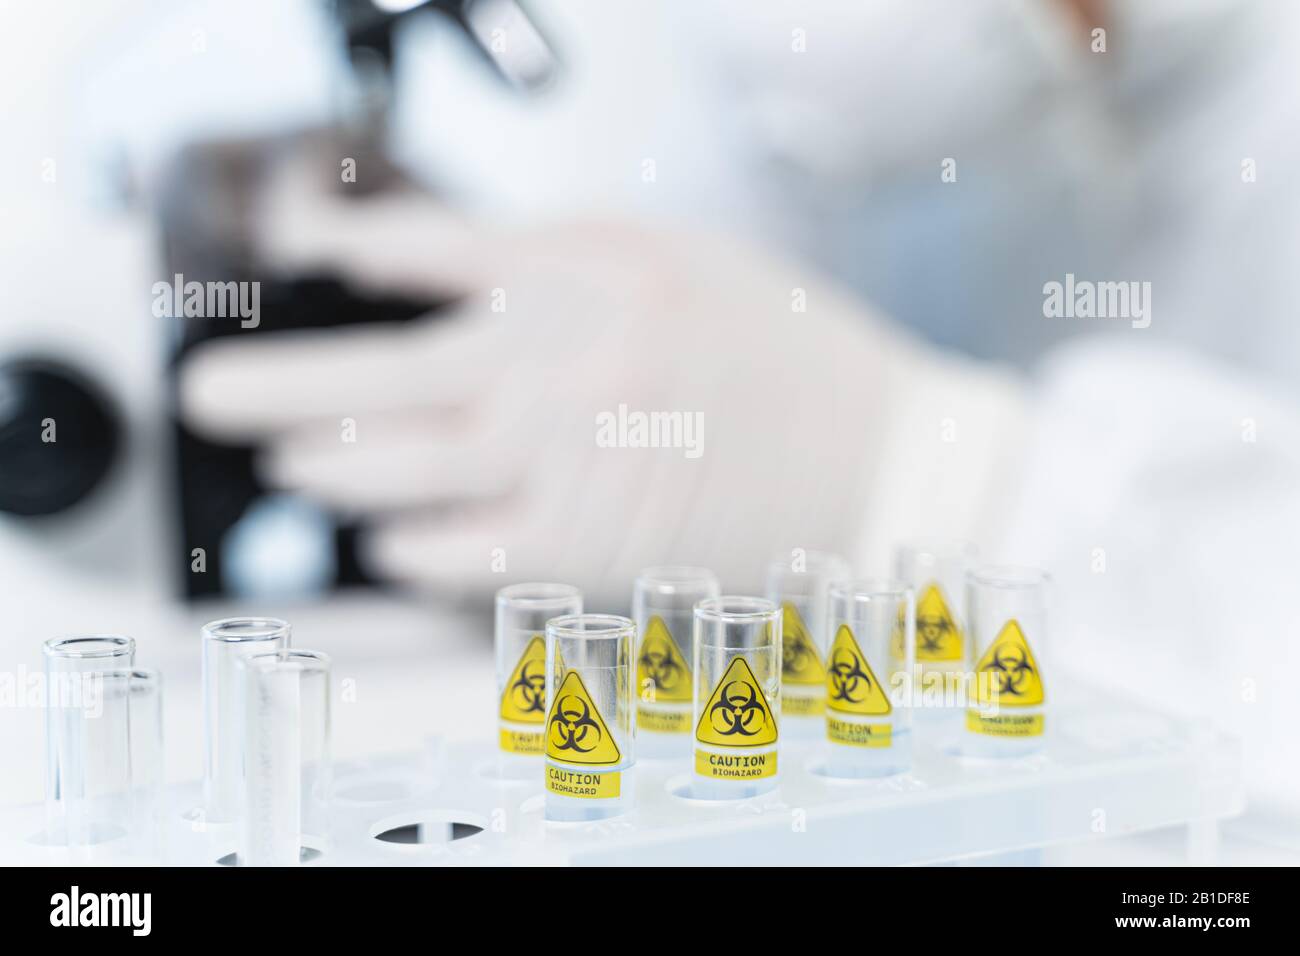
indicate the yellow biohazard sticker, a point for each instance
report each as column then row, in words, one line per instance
column 524, row 698
column 1007, row 674
column 583, row 784
column 937, row 636
column 851, row 684
column 1004, row 725
column 575, row 731
column 662, row 674
column 737, row 713
column 735, row 766
column 859, row 735
column 801, row 663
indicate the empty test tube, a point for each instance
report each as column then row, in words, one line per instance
column 87, row 738
column 522, row 611
column 936, row 571
column 1007, row 701
column 800, row 585
column 287, row 770
column 147, row 760
column 590, row 721
column 224, row 643
column 663, row 606
column 869, row 716
column 737, row 700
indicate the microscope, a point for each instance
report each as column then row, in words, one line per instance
column 253, row 541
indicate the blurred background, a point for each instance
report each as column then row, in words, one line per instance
column 373, row 164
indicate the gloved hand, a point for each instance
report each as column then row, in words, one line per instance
column 481, row 437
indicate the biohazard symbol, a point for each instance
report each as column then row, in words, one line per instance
column 937, row 635
column 524, row 699
column 851, row 685
column 575, row 731
column 800, row 661
column 1007, row 673
column 660, row 667
column 737, row 713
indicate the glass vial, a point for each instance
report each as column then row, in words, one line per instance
column 663, row 606
column 737, row 701
column 287, row 769
column 800, row 586
column 937, row 573
column 522, row 611
column 224, row 643
column 590, row 721
column 147, row 771
column 1007, row 701
column 868, row 721
column 87, row 739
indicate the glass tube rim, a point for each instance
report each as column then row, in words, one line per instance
column 61, row 647
column 611, row 627
column 271, row 628
column 868, row 590
column 736, row 609
column 675, row 578
column 524, row 594
column 1009, row 577
column 308, row 660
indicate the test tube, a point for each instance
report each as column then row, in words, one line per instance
column 590, row 723
column 936, row 571
column 663, row 605
column 737, row 700
column 869, row 722
column 800, row 586
column 224, row 643
column 147, row 760
column 287, row 775
column 522, row 611
column 1006, row 707
column 87, row 739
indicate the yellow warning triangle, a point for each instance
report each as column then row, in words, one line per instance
column 575, row 731
column 937, row 636
column 524, row 699
column 662, row 666
column 1007, row 673
column 801, row 663
column 737, row 713
column 851, row 685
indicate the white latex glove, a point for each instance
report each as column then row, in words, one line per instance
column 477, row 430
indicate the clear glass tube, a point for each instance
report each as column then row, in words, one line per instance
column 287, row 770
column 1007, row 702
column 522, row 611
column 800, row 585
column 147, row 770
column 869, row 719
column 590, row 723
column 737, row 701
column 224, row 643
column 87, row 739
column 937, row 573
column 663, row 606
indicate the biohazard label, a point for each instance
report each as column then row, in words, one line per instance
column 575, row 731
column 937, row 636
column 735, row 766
column 858, row 735
column 1004, row 725
column 526, row 742
column 524, row 699
column 801, row 662
column 737, row 713
column 851, row 685
column 1007, row 674
column 583, row 784
column 658, row 720
column 662, row 674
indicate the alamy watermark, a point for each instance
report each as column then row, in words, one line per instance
column 1084, row 299
column 209, row 300
column 635, row 429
